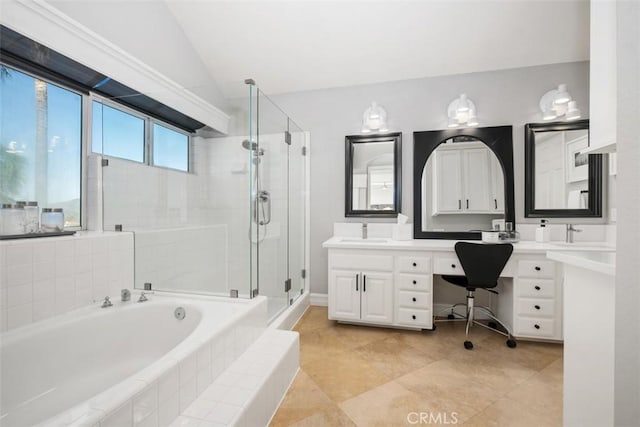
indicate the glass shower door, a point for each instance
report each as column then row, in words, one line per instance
column 270, row 206
column 297, row 211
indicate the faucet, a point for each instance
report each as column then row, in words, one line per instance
column 125, row 295
column 570, row 231
column 143, row 297
column 106, row 303
column 364, row 230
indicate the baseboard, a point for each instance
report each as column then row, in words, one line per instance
column 321, row 300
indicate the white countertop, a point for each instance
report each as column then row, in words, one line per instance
column 447, row 245
column 601, row 262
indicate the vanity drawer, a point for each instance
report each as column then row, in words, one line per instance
column 536, row 288
column 414, row 282
column 448, row 265
column 545, row 269
column 414, row 299
column 536, row 307
column 414, row 317
column 361, row 262
column 544, row 328
column 414, row 264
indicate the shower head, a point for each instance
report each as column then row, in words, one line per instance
column 249, row 145
column 257, row 151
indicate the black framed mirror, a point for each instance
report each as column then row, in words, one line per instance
column 462, row 182
column 373, row 175
column 560, row 181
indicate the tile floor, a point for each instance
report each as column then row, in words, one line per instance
column 363, row 376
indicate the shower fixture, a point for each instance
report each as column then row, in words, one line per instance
column 252, row 146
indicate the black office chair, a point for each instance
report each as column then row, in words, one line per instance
column 482, row 264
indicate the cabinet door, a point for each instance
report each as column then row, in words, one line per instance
column 447, row 181
column 476, row 182
column 497, row 184
column 377, row 297
column 344, row 295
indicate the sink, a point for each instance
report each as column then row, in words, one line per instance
column 359, row 240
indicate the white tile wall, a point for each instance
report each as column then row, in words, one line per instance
column 40, row 278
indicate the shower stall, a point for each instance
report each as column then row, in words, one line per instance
column 235, row 224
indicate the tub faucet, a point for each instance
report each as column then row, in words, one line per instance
column 364, row 230
column 106, row 303
column 570, row 231
column 125, row 295
column 143, row 297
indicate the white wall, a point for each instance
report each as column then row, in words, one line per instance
column 627, row 351
column 148, row 31
column 508, row 97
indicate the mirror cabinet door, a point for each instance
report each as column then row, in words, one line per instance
column 560, row 181
column 373, row 174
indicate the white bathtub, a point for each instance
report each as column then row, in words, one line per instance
column 122, row 364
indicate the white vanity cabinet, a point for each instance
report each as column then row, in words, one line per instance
column 387, row 288
column 361, row 287
column 532, row 307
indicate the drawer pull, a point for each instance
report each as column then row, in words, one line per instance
column 414, row 282
column 413, row 317
column 364, row 283
column 414, row 299
column 453, row 266
column 537, row 307
column 415, row 265
column 536, row 287
column 536, row 326
column 357, row 280
column 537, row 268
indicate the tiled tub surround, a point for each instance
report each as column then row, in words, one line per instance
column 142, row 366
column 43, row 277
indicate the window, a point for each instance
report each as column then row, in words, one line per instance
column 122, row 134
column 116, row 133
column 40, row 143
column 170, row 148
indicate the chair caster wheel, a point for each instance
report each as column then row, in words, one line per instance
column 511, row 343
column 492, row 325
column 468, row 345
column 451, row 316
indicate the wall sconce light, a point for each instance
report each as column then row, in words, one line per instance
column 374, row 119
column 557, row 103
column 462, row 111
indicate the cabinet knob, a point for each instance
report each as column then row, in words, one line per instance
column 414, row 299
column 453, row 266
column 413, row 317
column 537, row 307
column 537, row 268
column 414, row 282
column 537, row 288
column 536, row 326
column 415, row 265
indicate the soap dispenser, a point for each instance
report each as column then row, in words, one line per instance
column 543, row 234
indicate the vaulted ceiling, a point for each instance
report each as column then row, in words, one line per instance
column 289, row 46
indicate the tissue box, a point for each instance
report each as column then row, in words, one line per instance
column 402, row 232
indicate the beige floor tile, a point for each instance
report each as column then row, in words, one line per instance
column 542, row 397
column 393, row 357
column 354, row 336
column 314, row 318
column 448, row 389
column 344, row 375
column 506, row 413
column 332, row 417
column 384, row 406
column 303, row 399
column 319, row 345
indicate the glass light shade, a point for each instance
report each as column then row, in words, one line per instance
column 453, row 122
column 548, row 115
column 562, row 96
column 472, row 120
column 463, row 104
column 573, row 112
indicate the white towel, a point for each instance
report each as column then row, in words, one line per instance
column 573, row 201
